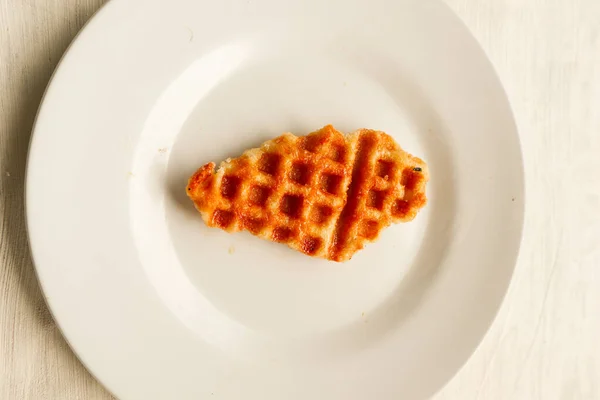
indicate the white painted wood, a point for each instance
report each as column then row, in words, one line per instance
column 544, row 343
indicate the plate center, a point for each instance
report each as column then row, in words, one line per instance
column 263, row 286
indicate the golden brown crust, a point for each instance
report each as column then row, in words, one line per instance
column 323, row 194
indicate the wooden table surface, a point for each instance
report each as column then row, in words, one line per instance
column 545, row 342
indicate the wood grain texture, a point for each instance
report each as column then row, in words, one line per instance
column 544, row 343
column 35, row 361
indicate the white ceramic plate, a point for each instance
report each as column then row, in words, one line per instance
column 158, row 306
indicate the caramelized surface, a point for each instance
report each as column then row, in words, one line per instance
column 323, row 194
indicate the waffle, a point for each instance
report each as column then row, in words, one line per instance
column 324, row 194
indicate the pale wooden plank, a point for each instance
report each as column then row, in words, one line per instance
column 35, row 361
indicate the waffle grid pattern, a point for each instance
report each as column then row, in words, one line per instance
column 323, row 194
